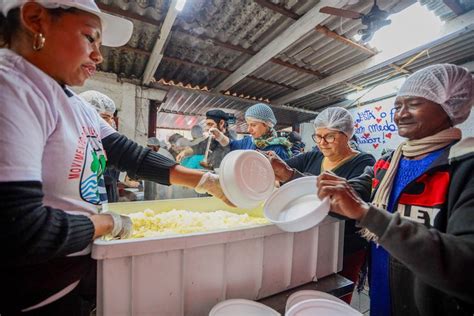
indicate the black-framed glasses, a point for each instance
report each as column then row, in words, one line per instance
column 328, row 138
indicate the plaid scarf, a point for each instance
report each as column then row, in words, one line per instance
column 270, row 138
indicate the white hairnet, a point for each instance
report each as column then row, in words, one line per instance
column 197, row 131
column 153, row 141
column 448, row 85
column 101, row 102
column 336, row 118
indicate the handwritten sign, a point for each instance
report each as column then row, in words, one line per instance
column 375, row 128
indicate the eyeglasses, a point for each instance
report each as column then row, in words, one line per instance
column 328, row 138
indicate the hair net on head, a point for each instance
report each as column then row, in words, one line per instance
column 101, row 102
column 336, row 118
column 153, row 141
column 262, row 113
column 197, row 131
column 448, row 85
column 174, row 138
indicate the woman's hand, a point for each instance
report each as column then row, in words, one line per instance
column 282, row 171
column 344, row 200
column 109, row 223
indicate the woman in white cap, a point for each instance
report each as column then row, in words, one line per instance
column 260, row 121
column 422, row 210
column 333, row 129
column 53, row 156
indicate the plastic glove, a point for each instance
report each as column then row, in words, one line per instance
column 206, row 165
column 123, row 226
column 282, row 171
column 184, row 153
column 209, row 183
column 219, row 136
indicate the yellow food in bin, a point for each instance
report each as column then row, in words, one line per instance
column 151, row 224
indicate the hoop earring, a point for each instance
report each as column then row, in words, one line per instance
column 38, row 42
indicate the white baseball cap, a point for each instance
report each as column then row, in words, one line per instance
column 116, row 31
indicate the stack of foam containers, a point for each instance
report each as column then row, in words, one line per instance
column 189, row 274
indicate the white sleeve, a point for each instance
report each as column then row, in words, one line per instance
column 26, row 121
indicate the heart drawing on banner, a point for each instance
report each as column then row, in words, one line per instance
column 356, row 125
column 388, row 135
column 375, row 145
column 378, row 120
column 378, row 108
column 366, row 135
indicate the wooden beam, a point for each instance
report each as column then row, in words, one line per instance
column 455, row 27
column 277, row 8
column 298, row 29
column 297, row 68
column 353, row 86
column 327, row 32
column 158, row 49
column 399, row 69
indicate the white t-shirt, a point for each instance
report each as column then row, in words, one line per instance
column 51, row 137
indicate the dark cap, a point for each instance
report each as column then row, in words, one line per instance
column 218, row 115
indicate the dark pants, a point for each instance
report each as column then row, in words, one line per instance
column 351, row 267
column 31, row 285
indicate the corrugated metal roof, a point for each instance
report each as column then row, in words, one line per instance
column 185, row 107
column 444, row 12
column 212, row 38
column 458, row 49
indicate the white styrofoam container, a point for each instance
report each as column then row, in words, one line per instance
column 189, row 274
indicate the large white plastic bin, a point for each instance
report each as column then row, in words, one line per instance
column 189, row 274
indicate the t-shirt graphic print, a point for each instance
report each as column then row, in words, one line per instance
column 89, row 166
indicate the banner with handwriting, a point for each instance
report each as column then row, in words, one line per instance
column 375, row 128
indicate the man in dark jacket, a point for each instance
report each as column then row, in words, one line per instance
column 219, row 120
column 422, row 212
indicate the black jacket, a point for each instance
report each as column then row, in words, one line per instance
column 310, row 163
column 430, row 238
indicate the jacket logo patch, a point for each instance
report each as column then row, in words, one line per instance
column 429, row 190
column 419, row 214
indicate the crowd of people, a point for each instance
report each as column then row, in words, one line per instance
column 409, row 215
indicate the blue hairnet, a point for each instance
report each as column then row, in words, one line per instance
column 261, row 112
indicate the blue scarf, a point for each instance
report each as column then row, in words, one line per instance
column 380, row 302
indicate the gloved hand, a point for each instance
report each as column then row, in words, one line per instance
column 219, row 136
column 282, row 171
column 123, row 226
column 209, row 183
column 184, row 153
column 206, row 165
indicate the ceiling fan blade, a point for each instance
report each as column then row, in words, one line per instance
column 341, row 12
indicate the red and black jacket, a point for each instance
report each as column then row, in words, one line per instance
column 430, row 236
